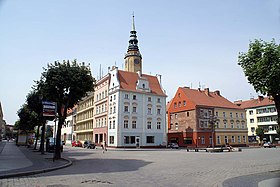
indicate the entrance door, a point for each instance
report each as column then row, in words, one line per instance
column 137, row 142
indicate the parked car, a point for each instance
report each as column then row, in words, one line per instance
column 77, row 144
column 50, row 145
column 268, row 145
column 88, row 144
column 173, row 146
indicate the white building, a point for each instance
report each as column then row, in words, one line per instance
column 67, row 130
column 261, row 113
column 137, row 107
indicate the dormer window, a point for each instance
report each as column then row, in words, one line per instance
column 144, row 86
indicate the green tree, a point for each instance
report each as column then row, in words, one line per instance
column 260, row 133
column 261, row 65
column 34, row 103
column 65, row 83
column 27, row 119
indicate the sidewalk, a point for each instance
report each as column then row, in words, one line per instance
column 21, row 161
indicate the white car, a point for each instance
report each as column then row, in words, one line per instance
column 173, row 146
column 268, row 145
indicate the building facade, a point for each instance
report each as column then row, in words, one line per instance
column 198, row 117
column 85, row 118
column 67, row 131
column 2, row 123
column 261, row 113
column 100, row 126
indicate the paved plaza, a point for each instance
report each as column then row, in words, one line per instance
column 165, row 167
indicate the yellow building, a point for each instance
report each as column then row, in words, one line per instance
column 85, row 118
column 231, row 126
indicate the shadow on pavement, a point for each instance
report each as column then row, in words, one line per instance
column 87, row 166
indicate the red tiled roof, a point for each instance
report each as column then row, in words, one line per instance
column 128, row 81
column 254, row 103
column 213, row 99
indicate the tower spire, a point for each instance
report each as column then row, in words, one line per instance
column 133, row 58
column 133, row 23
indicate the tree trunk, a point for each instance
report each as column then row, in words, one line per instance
column 37, row 137
column 57, row 154
column 42, row 146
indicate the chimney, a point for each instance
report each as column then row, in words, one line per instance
column 206, row 91
column 260, row 98
column 217, row 92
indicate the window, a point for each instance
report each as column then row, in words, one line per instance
column 242, row 115
column 251, row 112
column 176, row 126
column 112, row 140
column 233, row 139
column 242, row 125
column 105, row 93
column 158, row 125
column 134, row 109
column 114, row 124
column 134, row 97
column 179, row 104
column 217, row 114
column 202, row 140
column 237, row 125
column 231, row 124
column 149, row 110
column 132, row 139
column 238, row 139
column 125, row 124
column 126, row 96
column 134, row 124
column 251, row 120
column 218, row 140
column 244, row 139
column 226, row 139
column 114, row 97
column 225, row 125
column 102, row 95
column 110, row 110
column 176, row 116
column 188, row 140
column 143, row 85
column 188, row 114
column 125, row 108
column 149, row 125
column 158, row 111
column 230, row 114
column 126, row 140
column 158, row 100
column 236, row 115
column 175, row 105
column 111, row 98
column 150, row 139
column 114, row 109
column 210, row 140
column 184, row 103
column 224, row 114
column 149, row 99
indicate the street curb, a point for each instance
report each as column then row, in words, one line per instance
column 21, row 174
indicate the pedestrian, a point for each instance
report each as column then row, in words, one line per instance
column 104, row 147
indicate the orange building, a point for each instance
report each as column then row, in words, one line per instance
column 192, row 112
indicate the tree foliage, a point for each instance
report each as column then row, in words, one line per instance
column 27, row 119
column 260, row 133
column 261, row 66
column 65, row 83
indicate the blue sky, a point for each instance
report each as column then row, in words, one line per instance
column 185, row 41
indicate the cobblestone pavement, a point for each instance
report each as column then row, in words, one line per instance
column 153, row 168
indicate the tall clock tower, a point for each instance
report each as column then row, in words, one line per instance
column 133, row 58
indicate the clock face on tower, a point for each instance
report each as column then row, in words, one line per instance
column 136, row 61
